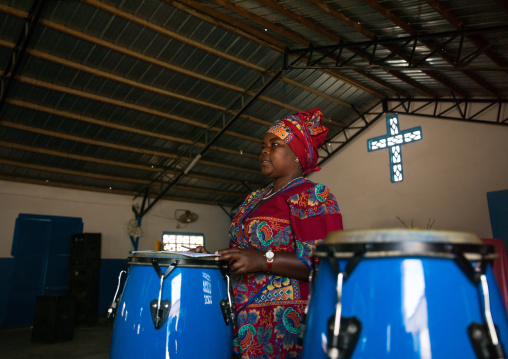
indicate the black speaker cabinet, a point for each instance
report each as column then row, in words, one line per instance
column 53, row 319
column 84, row 276
column 86, row 250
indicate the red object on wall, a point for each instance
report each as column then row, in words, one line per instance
column 500, row 267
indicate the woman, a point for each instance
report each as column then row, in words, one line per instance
column 272, row 238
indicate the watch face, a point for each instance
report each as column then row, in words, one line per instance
column 269, row 254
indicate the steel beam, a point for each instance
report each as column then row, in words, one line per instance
column 316, row 56
column 19, row 50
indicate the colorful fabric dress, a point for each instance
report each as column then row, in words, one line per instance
column 269, row 307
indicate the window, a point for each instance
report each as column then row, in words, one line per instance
column 173, row 241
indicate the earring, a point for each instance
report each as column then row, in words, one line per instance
column 297, row 160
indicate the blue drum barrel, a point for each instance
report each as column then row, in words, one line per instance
column 404, row 294
column 190, row 319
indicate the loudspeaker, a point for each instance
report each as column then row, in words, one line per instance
column 53, row 319
column 85, row 273
column 86, row 250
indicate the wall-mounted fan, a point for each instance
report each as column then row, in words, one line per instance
column 185, row 216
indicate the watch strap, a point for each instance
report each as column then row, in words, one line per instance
column 269, row 260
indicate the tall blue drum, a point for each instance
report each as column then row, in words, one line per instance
column 173, row 306
column 409, row 294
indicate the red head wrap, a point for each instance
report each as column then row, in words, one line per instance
column 304, row 134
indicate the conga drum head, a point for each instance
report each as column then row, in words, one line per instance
column 399, row 242
column 401, row 235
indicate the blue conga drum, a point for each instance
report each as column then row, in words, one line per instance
column 409, row 294
column 173, row 306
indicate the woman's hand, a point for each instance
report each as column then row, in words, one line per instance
column 243, row 260
column 200, row 249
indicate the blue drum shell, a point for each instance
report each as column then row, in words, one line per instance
column 195, row 327
column 415, row 306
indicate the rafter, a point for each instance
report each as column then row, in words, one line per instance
column 440, row 7
column 441, row 39
column 116, row 179
column 150, row 60
column 120, row 147
column 19, row 49
column 294, row 37
column 475, row 40
column 121, row 164
column 338, row 40
column 106, row 190
column 363, row 30
column 130, row 106
column 130, row 129
column 243, row 29
column 468, row 110
column 185, row 40
column 370, row 47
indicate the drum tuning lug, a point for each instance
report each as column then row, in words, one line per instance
column 482, row 344
column 348, row 337
column 159, row 314
column 111, row 311
column 333, row 353
column 227, row 312
column 112, row 308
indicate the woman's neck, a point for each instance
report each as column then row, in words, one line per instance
column 283, row 181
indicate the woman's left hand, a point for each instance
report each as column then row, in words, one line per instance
column 243, row 260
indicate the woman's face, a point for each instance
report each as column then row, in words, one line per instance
column 276, row 158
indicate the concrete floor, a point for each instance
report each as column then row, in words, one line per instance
column 87, row 343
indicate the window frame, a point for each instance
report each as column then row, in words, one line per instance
column 177, row 244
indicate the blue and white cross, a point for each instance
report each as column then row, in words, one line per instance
column 393, row 140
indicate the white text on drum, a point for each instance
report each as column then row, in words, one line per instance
column 207, row 288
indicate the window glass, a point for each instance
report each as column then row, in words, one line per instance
column 173, row 241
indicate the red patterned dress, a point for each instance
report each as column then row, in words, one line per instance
column 269, row 307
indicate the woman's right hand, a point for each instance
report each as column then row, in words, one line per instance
column 243, row 260
column 200, row 249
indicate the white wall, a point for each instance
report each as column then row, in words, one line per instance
column 447, row 175
column 108, row 214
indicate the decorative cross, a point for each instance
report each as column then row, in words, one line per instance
column 393, row 140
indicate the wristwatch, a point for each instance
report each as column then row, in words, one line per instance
column 269, row 259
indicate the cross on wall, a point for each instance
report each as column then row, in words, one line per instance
column 393, row 140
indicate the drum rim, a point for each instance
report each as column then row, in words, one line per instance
column 165, row 259
column 407, row 249
column 388, row 235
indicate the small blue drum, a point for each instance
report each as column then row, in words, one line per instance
column 408, row 294
column 173, row 306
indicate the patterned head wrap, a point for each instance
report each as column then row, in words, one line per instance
column 304, row 134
